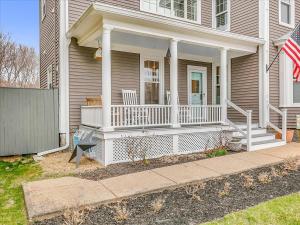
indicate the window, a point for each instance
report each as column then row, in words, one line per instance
column 296, row 91
column 49, row 76
column 221, row 9
column 185, row 9
column 286, row 12
column 43, row 4
column 152, row 81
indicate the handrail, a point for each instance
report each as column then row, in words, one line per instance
column 239, row 109
column 283, row 114
column 248, row 114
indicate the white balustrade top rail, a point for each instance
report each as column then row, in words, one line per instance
column 283, row 114
column 248, row 114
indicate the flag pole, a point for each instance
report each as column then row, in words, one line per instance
column 268, row 67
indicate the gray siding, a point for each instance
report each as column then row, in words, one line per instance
column 206, row 13
column 28, row 121
column 276, row 31
column 245, row 17
column 49, row 43
column 244, row 86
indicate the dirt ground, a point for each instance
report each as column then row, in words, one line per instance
column 57, row 164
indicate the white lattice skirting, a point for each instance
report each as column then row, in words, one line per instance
column 122, row 148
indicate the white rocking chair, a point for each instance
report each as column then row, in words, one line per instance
column 133, row 115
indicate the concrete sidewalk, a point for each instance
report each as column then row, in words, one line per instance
column 54, row 195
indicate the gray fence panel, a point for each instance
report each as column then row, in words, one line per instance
column 28, row 120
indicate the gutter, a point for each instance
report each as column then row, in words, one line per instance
column 64, row 42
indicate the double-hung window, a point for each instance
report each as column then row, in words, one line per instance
column 184, row 9
column 287, row 13
column 221, row 14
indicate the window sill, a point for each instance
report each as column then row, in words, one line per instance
column 287, row 25
column 295, row 105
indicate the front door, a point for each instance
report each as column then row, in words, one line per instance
column 197, row 78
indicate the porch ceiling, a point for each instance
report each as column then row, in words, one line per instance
column 87, row 30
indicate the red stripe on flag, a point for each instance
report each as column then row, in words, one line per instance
column 291, row 57
column 295, row 45
column 295, row 53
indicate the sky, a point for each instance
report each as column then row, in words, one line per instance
column 20, row 18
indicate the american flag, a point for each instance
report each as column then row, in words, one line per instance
column 292, row 49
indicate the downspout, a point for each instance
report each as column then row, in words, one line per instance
column 63, row 79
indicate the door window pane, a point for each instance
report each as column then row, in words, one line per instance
column 152, row 81
column 197, row 88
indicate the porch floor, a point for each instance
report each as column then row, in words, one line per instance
column 54, row 195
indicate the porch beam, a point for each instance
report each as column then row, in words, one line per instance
column 223, row 83
column 174, row 82
column 106, row 78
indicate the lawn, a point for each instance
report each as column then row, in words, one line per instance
column 280, row 211
column 12, row 175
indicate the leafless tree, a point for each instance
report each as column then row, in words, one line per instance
column 19, row 64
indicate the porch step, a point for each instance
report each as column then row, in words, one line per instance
column 255, row 131
column 257, row 138
column 264, row 144
column 244, row 125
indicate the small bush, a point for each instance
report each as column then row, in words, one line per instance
column 75, row 217
column 216, row 153
column 225, row 191
column 121, row 213
column 192, row 190
column 275, row 172
column 158, row 204
column 248, row 181
column 290, row 165
column 264, row 178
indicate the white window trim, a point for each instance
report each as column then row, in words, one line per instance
column 197, row 21
column 286, row 82
column 43, row 12
column 214, row 20
column 49, row 77
column 197, row 69
column 292, row 25
column 160, row 59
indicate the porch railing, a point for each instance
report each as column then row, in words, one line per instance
column 283, row 114
column 140, row 115
column 199, row 114
column 248, row 115
column 91, row 116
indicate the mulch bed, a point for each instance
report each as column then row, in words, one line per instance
column 208, row 203
column 133, row 167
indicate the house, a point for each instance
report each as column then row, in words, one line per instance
column 192, row 68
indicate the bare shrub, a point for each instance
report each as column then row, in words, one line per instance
column 226, row 190
column 138, row 148
column 264, row 178
column 192, row 190
column 290, row 165
column 158, row 204
column 121, row 212
column 248, row 181
column 275, row 172
column 75, row 217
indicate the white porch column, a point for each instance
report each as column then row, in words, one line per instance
column 223, row 84
column 174, row 82
column 106, row 78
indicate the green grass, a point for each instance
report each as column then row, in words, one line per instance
column 12, row 175
column 216, row 153
column 280, row 211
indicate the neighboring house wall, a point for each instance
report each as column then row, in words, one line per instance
column 49, row 43
column 276, row 31
column 245, row 86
